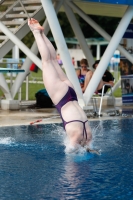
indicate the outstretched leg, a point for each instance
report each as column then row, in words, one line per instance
column 60, row 72
column 52, row 55
column 54, row 85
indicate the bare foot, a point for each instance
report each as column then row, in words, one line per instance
column 34, row 25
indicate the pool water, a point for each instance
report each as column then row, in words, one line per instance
column 34, row 165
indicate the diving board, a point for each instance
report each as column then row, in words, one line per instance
column 9, row 70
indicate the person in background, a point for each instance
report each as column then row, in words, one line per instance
column 81, row 73
column 124, row 67
column 61, row 92
column 59, row 59
column 107, row 78
column 33, row 68
column 131, row 70
column 127, row 86
column 73, row 61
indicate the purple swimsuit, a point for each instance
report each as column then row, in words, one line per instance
column 70, row 96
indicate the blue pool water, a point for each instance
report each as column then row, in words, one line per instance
column 34, row 165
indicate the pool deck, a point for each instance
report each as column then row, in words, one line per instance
column 26, row 115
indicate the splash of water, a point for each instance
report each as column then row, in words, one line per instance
column 78, row 149
column 7, row 140
column 69, row 149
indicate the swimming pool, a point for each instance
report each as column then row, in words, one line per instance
column 33, row 163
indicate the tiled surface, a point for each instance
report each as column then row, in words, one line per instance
column 25, row 115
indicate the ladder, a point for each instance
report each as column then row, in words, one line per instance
column 12, row 15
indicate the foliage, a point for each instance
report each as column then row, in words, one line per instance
column 65, row 25
column 118, row 93
column 3, row 8
column 109, row 24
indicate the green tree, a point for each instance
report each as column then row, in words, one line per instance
column 109, row 24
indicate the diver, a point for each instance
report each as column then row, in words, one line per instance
column 62, row 92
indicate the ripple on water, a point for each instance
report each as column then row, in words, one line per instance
column 34, row 164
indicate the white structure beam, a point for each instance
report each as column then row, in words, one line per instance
column 4, row 87
column 79, row 34
column 108, row 54
column 21, row 77
column 61, row 45
column 24, row 48
column 94, row 25
column 26, row 66
column 98, row 51
column 21, row 45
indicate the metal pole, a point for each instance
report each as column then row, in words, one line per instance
column 98, row 29
column 61, row 44
column 15, row 56
column 98, row 51
column 24, row 9
column 27, row 88
column 114, row 88
column 79, row 34
column 108, row 54
column 11, row 76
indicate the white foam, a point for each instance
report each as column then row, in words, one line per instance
column 69, row 149
column 7, row 140
column 76, row 150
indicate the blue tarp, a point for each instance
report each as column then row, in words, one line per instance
column 123, row 2
column 129, row 32
column 44, row 92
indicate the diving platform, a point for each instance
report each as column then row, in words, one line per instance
column 9, row 70
column 110, row 8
